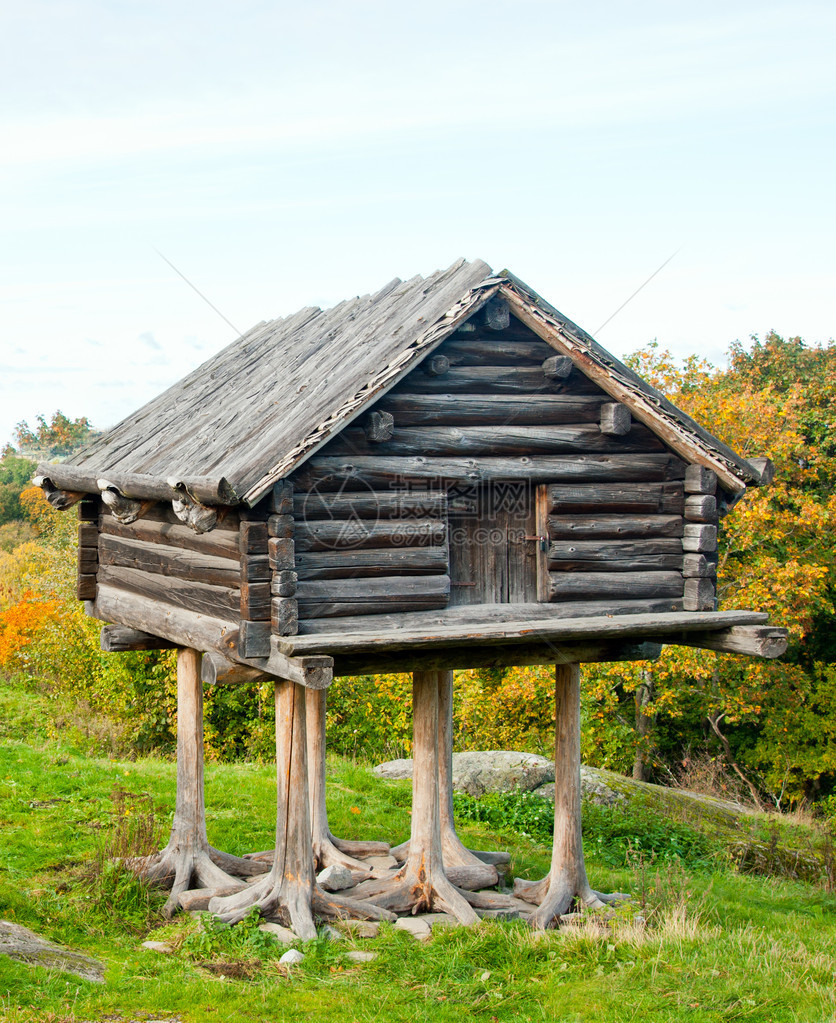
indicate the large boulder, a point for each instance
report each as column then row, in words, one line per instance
column 478, row 772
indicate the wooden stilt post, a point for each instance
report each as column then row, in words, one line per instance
column 289, row 892
column 188, row 857
column 327, row 849
column 422, row 885
column 465, row 868
column 566, row 881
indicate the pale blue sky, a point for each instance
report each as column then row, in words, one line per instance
column 282, row 157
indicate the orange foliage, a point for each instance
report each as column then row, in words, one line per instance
column 20, row 621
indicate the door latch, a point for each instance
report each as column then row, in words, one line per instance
column 544, row 541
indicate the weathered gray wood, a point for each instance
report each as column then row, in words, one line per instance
column 217, row 670
column 483, row 350
column 379, row 426
column 629, row 619
column 284, row 616
column 700, row 480
column 254, row 639
column 410, row 409
column 648, row 497
column 183, row 627
column 751, row 640
column 256, row 568
column 613, row 527
column 120, row 638
column 216, row 601
column 255, row 601
column 497, row 315
column 59, row 499
column 765, row 469
column 698, row 566
column 159, row 559
column 701, row 508
column 162, row 511
column 507, row 655
column 372, row 562
column 565, row 586
column 280, row 499
column 283, row 583
column 495, row 380
column 699, row 595
column 557, row 367
column 382, row 504
column 280, row 526
column 359, row 591
column 218, row 543
column 281, row 553
column 436, row 365
column 615, row 419
column 617, row 555
column 137, row 486
column 86, row 587
column 508, row 439
column 355, row 535
column 368, row 604
column 253, row 536
column 367, row 471
column 88, row 534
column 699, row 539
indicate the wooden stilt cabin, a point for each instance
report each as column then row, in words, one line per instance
column 446, row 473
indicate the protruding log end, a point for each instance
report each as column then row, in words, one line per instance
column 497, row 314
column 60, row 499
column 615, row 419
column 557, row 367
column 765, row 470
column 437, row 365
column 123, row 509
column 380, row 426
column 199, row 517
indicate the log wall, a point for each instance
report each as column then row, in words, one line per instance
column 493, row 406
column 165, row 562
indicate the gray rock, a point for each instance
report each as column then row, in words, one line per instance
column 596, row 786
column 281, row 934
column 414, row 926
column 356, row 956
column 380, row 862
column 478, row 772
column 335, row 878
column 361, row 928
column 438, row 921
column 292, row 957
column 158, row 946
column 330, row 933
column 24, row 946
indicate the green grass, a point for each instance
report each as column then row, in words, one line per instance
column 700, row 942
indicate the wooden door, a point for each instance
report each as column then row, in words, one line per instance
column 495, row 556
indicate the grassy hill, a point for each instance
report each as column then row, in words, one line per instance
column 701, row 941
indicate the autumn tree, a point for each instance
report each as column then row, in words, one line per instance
column 776, row 399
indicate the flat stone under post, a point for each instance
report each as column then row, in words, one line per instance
column 289, row 892
column 566, row 883
column 188, row 860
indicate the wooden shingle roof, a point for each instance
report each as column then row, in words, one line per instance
column 251, row 414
